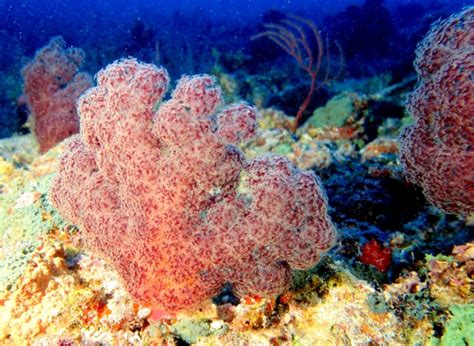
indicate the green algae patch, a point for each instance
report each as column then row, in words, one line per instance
column 24, row 216
column 439, row 257
column 335, row 113
column 191, row 330
column 283, row 149
column 460, row 328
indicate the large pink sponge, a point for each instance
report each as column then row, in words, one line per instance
column 437, row 151
column 172, row 203
column 52, row 87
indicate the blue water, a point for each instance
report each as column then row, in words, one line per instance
column 183, row 35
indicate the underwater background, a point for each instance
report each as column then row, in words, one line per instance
column 297, row 172
column 190, row 37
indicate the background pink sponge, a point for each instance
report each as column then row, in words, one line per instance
column 52, row 87
column 437, row 151
column 170, row 200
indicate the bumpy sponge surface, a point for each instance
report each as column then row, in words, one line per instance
column 169, row 199
column 437, row 151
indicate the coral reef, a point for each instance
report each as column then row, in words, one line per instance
column 436, row 151
column 62, row 294
column 170, row 200
column 440, row 294
column 452, row 277
column 91, row 305
column 169, row 220
column 25, row 214
column 40, row 285
column 66, row 296
column 52, row 87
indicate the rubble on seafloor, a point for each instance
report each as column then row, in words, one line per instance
column 53, row 293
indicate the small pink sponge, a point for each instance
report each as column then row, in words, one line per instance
column 52, row 87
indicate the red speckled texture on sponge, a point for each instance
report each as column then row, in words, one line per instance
column 170, row 200
column 437, row 151
column 52, row 87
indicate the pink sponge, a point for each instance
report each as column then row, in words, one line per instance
column 172, row 203
column 52, row 87
column 437, row 151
